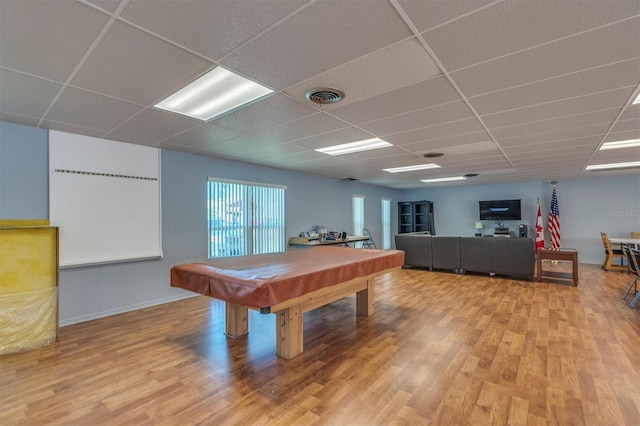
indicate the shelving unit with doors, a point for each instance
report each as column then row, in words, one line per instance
column 415, row 216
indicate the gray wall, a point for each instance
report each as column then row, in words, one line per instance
column 92, row 292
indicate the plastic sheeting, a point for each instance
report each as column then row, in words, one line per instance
column 28, row 320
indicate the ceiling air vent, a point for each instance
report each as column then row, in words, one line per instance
column 324, row 96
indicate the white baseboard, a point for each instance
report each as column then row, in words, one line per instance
column 121, row 310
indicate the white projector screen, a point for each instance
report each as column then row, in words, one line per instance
column 105, row 197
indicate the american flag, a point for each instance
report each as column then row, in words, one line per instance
column 554, row 220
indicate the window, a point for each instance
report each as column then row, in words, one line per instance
column 358, row 215
column 386, row 223
column 245, row 218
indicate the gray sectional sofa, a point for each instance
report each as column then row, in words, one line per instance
column 503, row 256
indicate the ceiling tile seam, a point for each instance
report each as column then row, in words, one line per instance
column 556, row 101
column 546, row 43
column 31, row 75
column 404, row 40
column 387, row 117
column 84, row 57
column 459, row 17
column 439, row 63
column 547, row 140
column 439, row 138
column 557, row 118
column 266, row 30
column 553, row 131
column 529, row 83
column 615, row 121
column 434, row 125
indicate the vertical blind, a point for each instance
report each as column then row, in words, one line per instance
column 386, row 223
column 245, row 218
column 358, row 216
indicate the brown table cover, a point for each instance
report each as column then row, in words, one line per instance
column 265, row 280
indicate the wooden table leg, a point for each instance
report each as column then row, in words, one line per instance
column 237, row 322
column 365, row 300
column 289, row 330
column 575, row 270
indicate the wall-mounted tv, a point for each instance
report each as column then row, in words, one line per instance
column 500, row 210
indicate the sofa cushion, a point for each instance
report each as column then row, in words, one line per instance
column 416, row 247
column 445, row 252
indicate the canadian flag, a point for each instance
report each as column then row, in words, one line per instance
column 539, row 229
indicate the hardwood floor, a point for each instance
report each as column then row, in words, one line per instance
column 442, row 349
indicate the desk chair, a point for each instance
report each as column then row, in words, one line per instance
column 611, row 254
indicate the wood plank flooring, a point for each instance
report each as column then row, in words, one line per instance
column 442, row 349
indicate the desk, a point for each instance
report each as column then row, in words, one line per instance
column 288, row 284
column 302, row 241
column 565, row 254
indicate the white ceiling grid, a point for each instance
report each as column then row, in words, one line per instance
column 515, row 91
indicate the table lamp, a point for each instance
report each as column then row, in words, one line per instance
column 479, row 227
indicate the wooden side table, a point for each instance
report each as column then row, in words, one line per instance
column 565, row 254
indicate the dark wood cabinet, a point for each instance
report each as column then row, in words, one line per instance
column 415, row 216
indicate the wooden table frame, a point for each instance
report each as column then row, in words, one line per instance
column 289, row 322
column 570, row 255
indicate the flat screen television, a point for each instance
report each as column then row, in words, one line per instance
column 500, row 210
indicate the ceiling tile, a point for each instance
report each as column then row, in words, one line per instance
column 151, row 123
column 437, row 143
column 627, row 126
column 595, row 131
column 400, row 65
column 432, row 92
column 560, row 123
column 218, row 33
column 132, row 65
column 610, row 77
column 586, row 142
column 88, row 109
column 25, row 95
column 203, row 136
column 632, row 112
column 425, row 16
column 316, row 124
column 469, row 125
column 567, row 107
column 46, row 38
column 515, row 25
column 108, row 5
column 306, row 44
column 19, row 119
column 70, row 128
column 610, row 44
column 444, row 113
column 272, row 111
column 346, row 135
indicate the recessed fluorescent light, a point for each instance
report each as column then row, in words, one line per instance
column 348, row 148
column 613, row 166
column 631, row 143
column 215, row 93
column 412, row 168
column 447, row 179
column 637, row 101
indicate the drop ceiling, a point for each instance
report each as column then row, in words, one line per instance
column 515, row 91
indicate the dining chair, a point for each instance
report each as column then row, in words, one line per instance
column 633, row 269
column 635, row 258
column 610, row 254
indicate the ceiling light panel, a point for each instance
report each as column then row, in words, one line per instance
column 412, row 168
column 637, row 100
column 215, row 93
column 445, row 179
column 613, row 166
column 348, row 148
column 631, row 143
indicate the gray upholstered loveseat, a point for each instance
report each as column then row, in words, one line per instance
column 503, row 256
